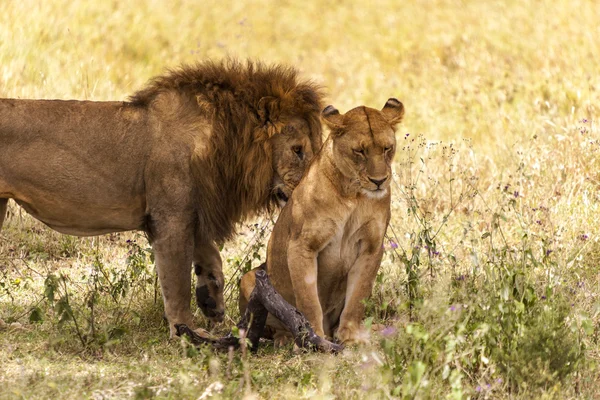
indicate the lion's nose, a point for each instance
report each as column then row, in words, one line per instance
column 210, row 303
column 378, row 182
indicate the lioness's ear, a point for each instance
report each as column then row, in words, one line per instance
column 393, row 111
column 268, row 109
column 332, row 118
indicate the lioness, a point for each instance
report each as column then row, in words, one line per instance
column 195, row 152
column 326, row 247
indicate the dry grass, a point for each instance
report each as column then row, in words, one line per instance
column 501, row 144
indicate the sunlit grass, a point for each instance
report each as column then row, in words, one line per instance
column 499, row 165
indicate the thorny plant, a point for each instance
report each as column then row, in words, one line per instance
column 507, row 324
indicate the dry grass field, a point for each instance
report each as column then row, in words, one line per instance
column 490, row 282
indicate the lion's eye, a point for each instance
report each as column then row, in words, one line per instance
column 213, row 279
column 359, row 152
column 299, row 152
column 388, row 149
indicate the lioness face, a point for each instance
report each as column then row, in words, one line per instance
column 292, row 152
column 364, row 144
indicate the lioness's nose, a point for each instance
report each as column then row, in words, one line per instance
column 378, row 182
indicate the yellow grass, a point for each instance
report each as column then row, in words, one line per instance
column 512, row 86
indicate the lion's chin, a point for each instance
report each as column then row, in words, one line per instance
column 375, row 194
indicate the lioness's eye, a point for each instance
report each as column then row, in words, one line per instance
column 360, row 152
column 387, row 149
column 298, row 151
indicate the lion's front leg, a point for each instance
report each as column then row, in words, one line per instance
column 359, row 286
column 172, row 242
column 208, row 268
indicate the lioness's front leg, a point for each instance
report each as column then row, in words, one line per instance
column 173, row 241
column 208, row 268
column 309, row 235
column 359, row 286
column 302, row 264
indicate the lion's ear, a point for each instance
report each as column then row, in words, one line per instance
column 268, row 109
column 393, row 111
column 332, row 118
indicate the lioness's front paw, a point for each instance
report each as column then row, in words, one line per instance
column 350, row 335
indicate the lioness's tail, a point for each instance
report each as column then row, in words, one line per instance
column 3, row 205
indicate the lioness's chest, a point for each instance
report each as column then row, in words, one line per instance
column 363, row 226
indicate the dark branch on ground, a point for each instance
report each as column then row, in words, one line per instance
column 265, row 300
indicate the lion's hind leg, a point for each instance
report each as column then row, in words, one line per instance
column 247, row 284
column 3, row 207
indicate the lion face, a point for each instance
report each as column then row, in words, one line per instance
column 364, row 144
column 292, row 152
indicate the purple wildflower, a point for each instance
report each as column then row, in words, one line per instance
column 393, row 244
column 516, row 194
column 452, row 307
column 388, row 331
column 478, row 388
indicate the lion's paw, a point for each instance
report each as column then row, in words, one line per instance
column 350, row 336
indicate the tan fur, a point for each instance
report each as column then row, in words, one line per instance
column 326, row 247
column 194, row 153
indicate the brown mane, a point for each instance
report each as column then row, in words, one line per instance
column 234, row 182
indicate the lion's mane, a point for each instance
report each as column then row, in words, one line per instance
column 234, row 170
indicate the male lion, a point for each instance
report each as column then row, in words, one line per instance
column 195, row 152
column 326, row 247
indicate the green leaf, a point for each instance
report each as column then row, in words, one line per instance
column 416, row 372
column 587, row 325
column 520, row 307
column 36, row 315
column 50, row 286
column 368, row 323
column 235, row 331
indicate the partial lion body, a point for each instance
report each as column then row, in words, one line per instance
column 71, row 146
column 190, row 156
column 326, row 247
